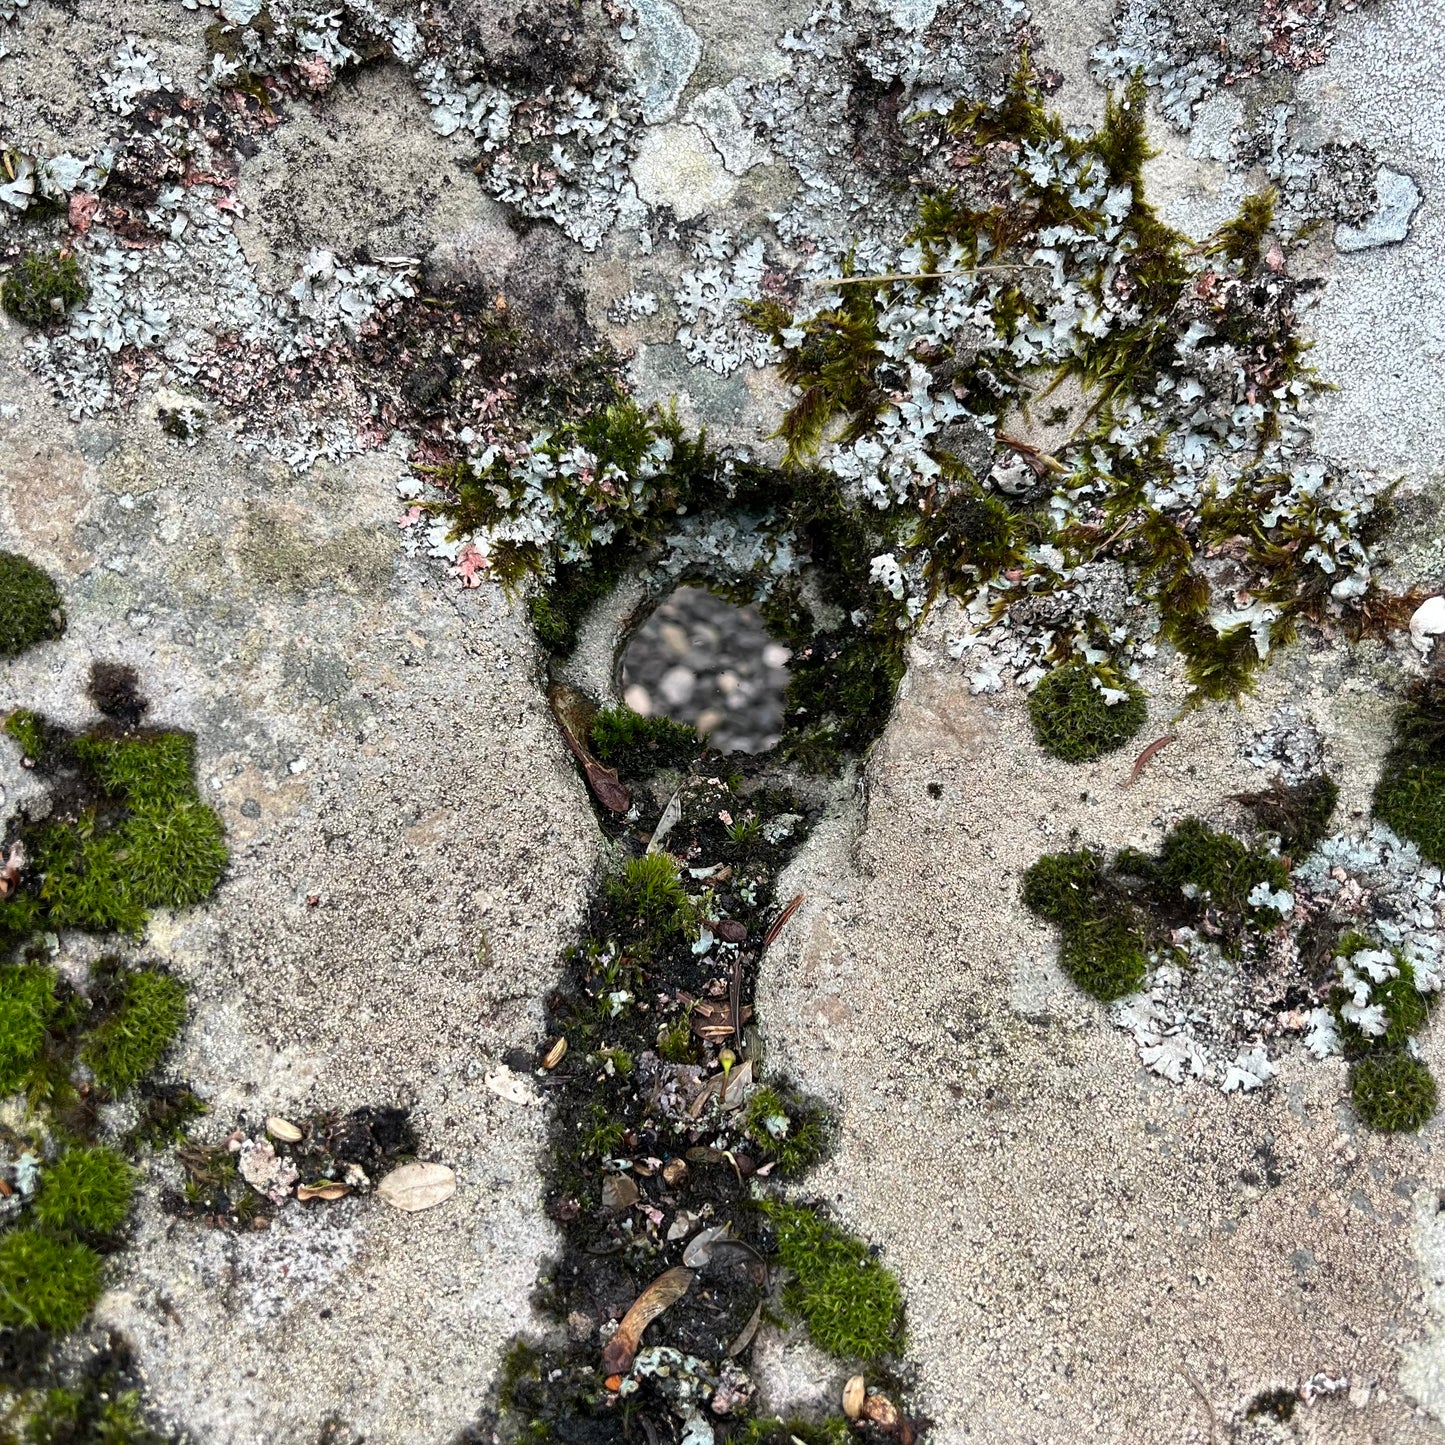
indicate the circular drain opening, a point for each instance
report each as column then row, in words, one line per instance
column 702, row 660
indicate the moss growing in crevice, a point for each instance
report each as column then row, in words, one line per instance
column 1081, row 712
column 621, row 486
column 852, row 1305
column 1410, row 795
column 638, row 746
column 30, row 607
column 662, row 1114
column 42, row 287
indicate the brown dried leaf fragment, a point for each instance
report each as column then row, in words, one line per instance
column 329, row 1190
column 570, row 709
column 780, row 921
column 660, row 1295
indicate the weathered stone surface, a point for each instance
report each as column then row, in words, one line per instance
column 1085, row 1247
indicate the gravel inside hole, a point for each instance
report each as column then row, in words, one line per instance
column 702, row 660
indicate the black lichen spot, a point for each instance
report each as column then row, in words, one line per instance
column 30, row 610
column 1075, row 721
column 1280, row 1404
column 115, row 690
column 1297, row 813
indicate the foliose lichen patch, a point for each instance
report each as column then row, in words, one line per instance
column 1217, row 953
column 1182, row 501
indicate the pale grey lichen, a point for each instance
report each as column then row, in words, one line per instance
column 1201, row 1015
column 709, row 297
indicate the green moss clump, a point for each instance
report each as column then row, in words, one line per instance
column 130, row 1043
column 46, row 1283
column 1073, row 721
column 27, row 1007
column 174, row 849
column 1211, row 866
column 1410, row 795
column 30, row 609
column 92, row 1416
column 42, row 288
column 138, row 838
column 638, row 745
column 1103, row 943
column 28, row 729
column 1392, row 1092
column 85, row 1191
column 851, row 1304
column 786, row 1130
column 648, row 895
column 776, row 1431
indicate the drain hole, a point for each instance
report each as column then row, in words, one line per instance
column 702, row 660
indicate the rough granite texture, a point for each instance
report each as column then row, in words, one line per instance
column 1088, row 1252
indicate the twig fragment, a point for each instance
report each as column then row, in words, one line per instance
column 1148, row 755
column 777, row 925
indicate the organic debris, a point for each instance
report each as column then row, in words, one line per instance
column 244, row 1180
column 415, row 1187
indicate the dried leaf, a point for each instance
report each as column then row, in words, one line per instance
column 674, row 1173
column 731, row 930
column 671, row 817
column 700, row 1246
column 777, row 926
column 573, row 715
column 330, row 1190
column 660, row 1295
column 514, row 1088
column 1147, row 756
column 415, row 1187
column 619, row 1192
column 745, row 1335
column 555, row 1054
column 283, row 1129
